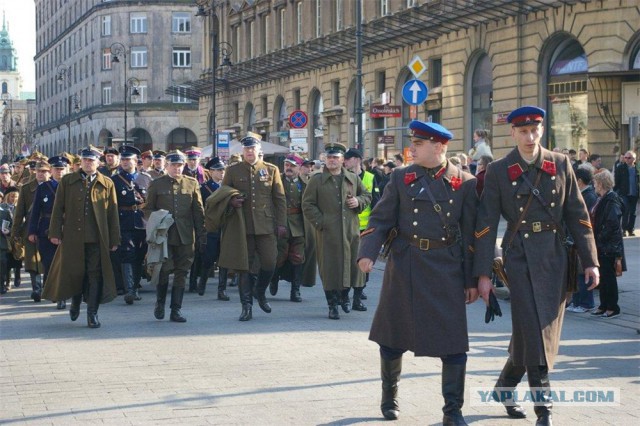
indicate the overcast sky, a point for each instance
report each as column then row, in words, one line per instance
column 20, row 16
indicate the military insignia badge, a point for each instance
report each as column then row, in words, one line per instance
column 410, row 178
column 549, row 167
column 514, row 171
column 455, row 182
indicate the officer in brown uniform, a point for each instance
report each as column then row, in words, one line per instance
column 331, row 203
column 536, row 191
column 159, row 160
column 180, row 196
column 291, row 248
column 428, row 276
column 20, row 227
column 111, row 161
column 264, row 209
column 85, row 219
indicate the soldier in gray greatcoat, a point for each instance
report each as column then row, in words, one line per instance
column 536, row 191
column 428, row 276
column 331, row 203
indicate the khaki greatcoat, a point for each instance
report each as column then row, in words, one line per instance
column 422, row 302
column 337, row 227
column 21, row 224
column 536, row 263
column 66, row 276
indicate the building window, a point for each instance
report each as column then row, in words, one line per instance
column 296, row 99
column 181, row 57
column 106, row 59
column 106, row 95
column 381, row 82
column 283, row 35
column 265, row 34
column 435, row 74
column 142, row 94
column 180, row 97
column 106, row 26
column 236, row 112
column 384, row 7
column 265, row 107
column 250, row 38
column 412, row 3
column 335, row 92
column 181, row 22
column 138, row 57
column 339, row 15
column 138, row 23
column 482, row 95
column 318, row 18
column 299, row 22
column 434, row 116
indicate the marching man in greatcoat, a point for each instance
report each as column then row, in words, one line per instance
column 428, row 209
column 536, row 191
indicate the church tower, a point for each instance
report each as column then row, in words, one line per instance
column 10, row 79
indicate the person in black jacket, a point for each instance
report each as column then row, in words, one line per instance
column 582, row 300
column 605, row 216
column 627, row 180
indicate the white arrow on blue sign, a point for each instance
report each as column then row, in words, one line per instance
column 414, row 92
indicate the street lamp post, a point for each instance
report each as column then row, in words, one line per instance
column 131, row 84
column 207, row 8
column 63, row 76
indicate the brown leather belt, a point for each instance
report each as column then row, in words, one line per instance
column 294, row 210
column 539, row 226
column 427, row 244
column 133, row 208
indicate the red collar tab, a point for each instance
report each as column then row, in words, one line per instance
column 514, row 171
column 440, row 173
column 410, row 177
column 456, row 182
column 549, row 167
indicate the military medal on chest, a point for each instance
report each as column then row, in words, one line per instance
column 264, row 176
column 45, row 199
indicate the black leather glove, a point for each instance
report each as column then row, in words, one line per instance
column 493, row 309
column 236, row 201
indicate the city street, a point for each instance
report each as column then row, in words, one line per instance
column 291, row 367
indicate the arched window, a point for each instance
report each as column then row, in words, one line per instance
column 481, row 97
column 317, row 125
column 5, row 88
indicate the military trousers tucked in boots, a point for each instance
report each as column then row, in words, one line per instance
column 538, row 376
column 128, row 280
column 245, row 288
column 453, row 379
column 36, row 286
column 509, row 379
column 333, row 300
column 93, row 273
column 390, row 369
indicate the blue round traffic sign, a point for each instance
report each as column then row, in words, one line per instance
column 414, row 92
column 298, row 119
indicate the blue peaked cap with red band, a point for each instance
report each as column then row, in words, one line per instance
column 430, row 131
column 526, row 115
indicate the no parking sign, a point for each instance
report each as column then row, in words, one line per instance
column 298, row 119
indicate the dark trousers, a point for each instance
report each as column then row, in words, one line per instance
column 178, row 264
column 93, row 275
column 608, row 284
column 583, row 297
column 394, row 353
column 263, row 251
column 212, row 253
column 629, row 216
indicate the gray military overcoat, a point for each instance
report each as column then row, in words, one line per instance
column 422, row 301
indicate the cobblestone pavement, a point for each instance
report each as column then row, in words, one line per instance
column 291, row 367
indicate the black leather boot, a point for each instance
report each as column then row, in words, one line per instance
column 16, row 277
column 74, row 311
column 222, row 284
column 128, row 282
column 332, row 301
column 202, row 281
column 193, row 277
column 390, row 374
column 295, row 283
column 161, row 297
column 344, row 300
column 453, row 376
column 176, row 304
column 357, row 300
column 273, row 284
column 36, row 286
column 264, row 277
column 246, row 297
column 509, row 378
column 61, row 304
column 93, row 302
column 538, row 376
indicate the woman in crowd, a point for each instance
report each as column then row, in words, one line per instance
column 605, row 217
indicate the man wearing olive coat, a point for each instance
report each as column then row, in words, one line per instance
column 536, row 261
column 331, row 203
column 180, row 196
column 428, row 275
column 85, row 227
column 263, row 206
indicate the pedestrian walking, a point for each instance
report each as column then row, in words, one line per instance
column 627, row 186
column 535, row 190
column 430, row 208
column 85, row 227
column 331, row 203
column 180, row 196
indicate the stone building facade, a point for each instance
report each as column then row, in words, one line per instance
column 81, row 88
column 578, row 60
